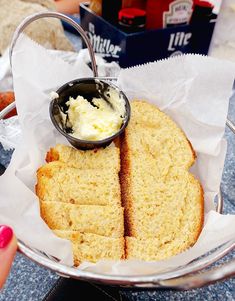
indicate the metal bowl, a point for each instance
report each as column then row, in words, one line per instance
column 88, row 88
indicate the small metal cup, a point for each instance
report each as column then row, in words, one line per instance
column 86, row 87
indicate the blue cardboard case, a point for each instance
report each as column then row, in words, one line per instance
column 146, row 46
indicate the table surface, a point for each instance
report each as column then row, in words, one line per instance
column 28, row 281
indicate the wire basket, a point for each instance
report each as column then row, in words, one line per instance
column 181, row 278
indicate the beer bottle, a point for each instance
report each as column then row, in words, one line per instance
column 110, row 9
column 134, row 3
column 203, row 12
column 168, row 13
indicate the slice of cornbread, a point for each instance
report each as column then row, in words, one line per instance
column 92, row 247
column 170, row 215
column 147, row 187
column 163, row 201
column 164, row 144
column 153, row 249
column 71, row 188
column 103, row 158
column 101, row 220
column 58, row 182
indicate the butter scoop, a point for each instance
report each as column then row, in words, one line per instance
column 90, row 112
column 97, row 119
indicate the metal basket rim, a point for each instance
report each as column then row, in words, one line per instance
column 73, row 272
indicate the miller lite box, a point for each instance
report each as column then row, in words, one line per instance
column 129, row 49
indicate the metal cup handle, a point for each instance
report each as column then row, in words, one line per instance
column 60, row 16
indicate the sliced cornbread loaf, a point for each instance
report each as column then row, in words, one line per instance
column 102, row 220
column 58, row 182
column 80, row 200
column 163, row 201
column 92, row 247
column 103, row 158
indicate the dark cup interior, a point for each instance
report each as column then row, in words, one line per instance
column 88, row 88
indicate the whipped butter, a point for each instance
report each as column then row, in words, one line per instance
column 97, row 120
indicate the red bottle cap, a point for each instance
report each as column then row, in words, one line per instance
column 132, row 16
column 204, row 4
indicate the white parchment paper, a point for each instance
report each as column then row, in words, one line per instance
column 193, row 90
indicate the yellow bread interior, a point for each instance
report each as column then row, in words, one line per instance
column 92, row 247
column 170, row 216
column 101, row 220
column 58, row 182
column 153, row 249
column 80, row 200
column 163, row 201
column 100, row 158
